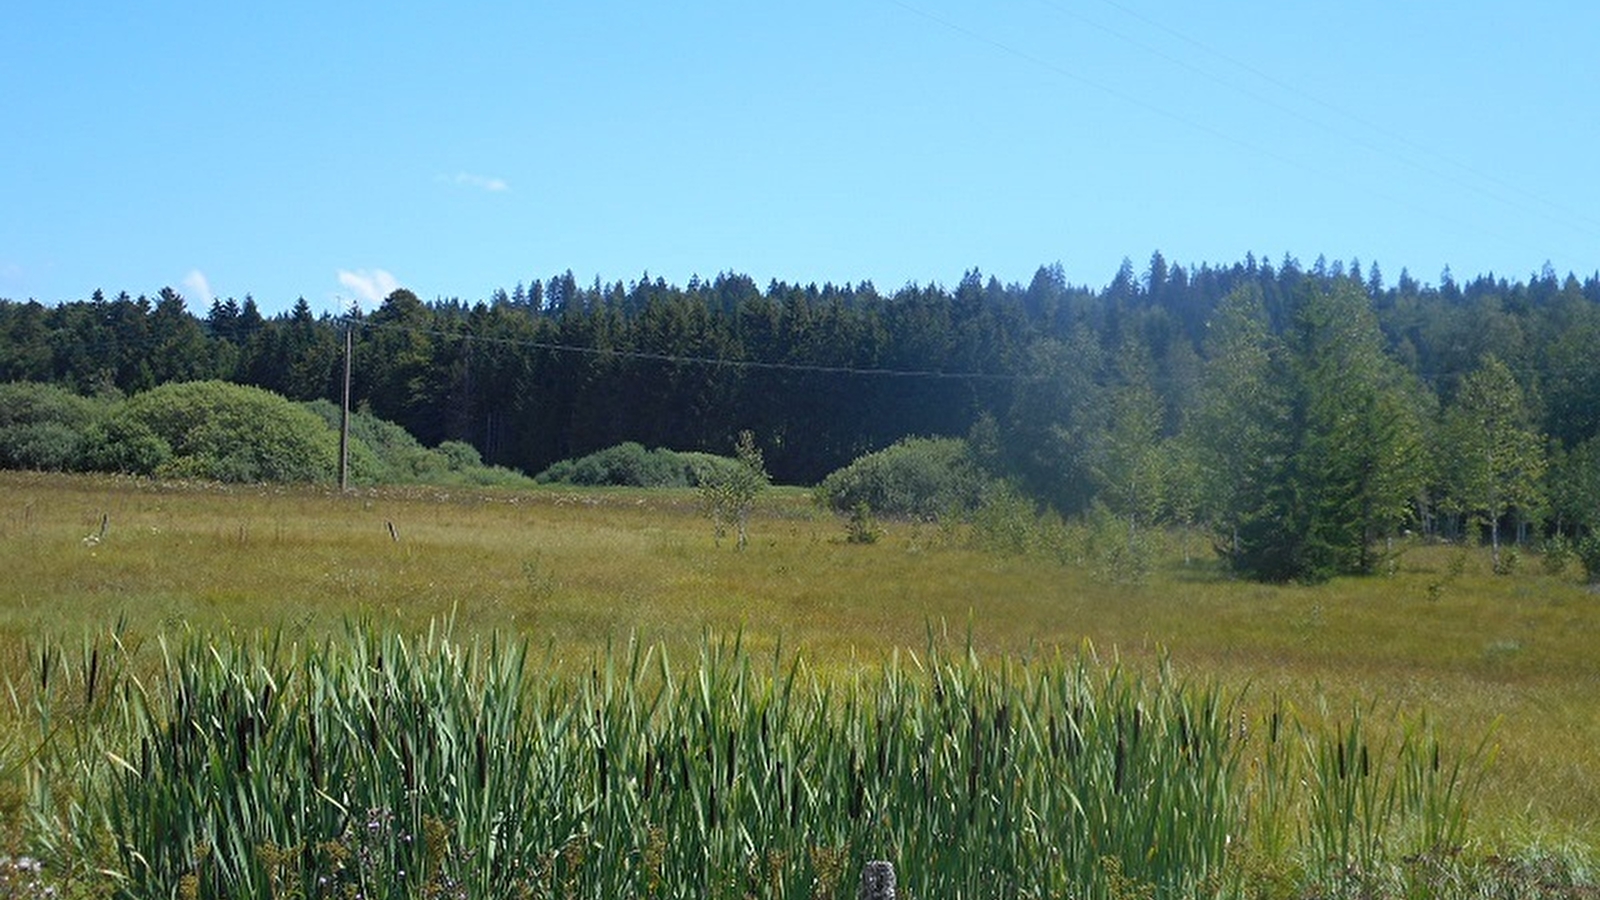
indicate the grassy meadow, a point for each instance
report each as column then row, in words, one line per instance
column 1505, row 663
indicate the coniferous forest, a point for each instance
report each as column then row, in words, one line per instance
column 1305, row 414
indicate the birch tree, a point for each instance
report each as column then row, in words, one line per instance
column 1495, row 460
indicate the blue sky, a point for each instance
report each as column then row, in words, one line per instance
column 336, row 150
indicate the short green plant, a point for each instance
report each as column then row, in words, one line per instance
column 1118, row 552
column 862, row 527
column 1588, row 553
column 729, row 496
column 1558, row 553
column 1006, row 521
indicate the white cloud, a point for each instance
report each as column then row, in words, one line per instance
column 199, row 288
column 481, row 182
column 370, row 286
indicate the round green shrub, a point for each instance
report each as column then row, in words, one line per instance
column 922, row 478
column 41, row 446
column 44, row 427
column 228, row 432
column 629, row 464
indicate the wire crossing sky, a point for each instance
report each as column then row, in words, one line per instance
column 338, row 151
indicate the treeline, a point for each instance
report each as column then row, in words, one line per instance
column 1124, row 396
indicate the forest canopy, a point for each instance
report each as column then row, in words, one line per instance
column 1305, row 414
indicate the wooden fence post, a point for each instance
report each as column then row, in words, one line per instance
column 877, row 881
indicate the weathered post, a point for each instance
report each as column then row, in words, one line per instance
column 877, row 881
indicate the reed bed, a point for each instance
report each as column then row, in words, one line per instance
column 377, row 765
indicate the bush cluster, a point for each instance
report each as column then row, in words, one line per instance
column 217, row 431
column 384, row 453
column 629, row 464
column 44, row 427
column 921, row 478
column 228, row 432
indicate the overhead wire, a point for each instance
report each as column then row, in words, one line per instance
column 1248, row 145
column 693, row 359
column 1375, row 127
column 1527, row 372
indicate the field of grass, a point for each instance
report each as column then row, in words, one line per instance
column 1507, row 659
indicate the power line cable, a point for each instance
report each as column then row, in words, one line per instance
column 1252, row 147
column 691, row 359
column 1568, row 218
column 1592, row 223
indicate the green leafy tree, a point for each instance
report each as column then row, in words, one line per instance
column 1495, row 460
column 1049, row 430
column 1574, row 488
column 178, row 349
column 1363, row 442
column 730, row 495
column 1129, row 461
column 1185, row 484
column 1235, row 431
column 1324, row 455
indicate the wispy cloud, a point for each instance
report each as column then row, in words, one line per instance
column 370, row 286
column 198, row 287
column 479, row 182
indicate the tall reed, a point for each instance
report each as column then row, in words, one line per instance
column 378, row 765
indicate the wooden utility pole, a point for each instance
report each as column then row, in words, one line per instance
column 344, row 416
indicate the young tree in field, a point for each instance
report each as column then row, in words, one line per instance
column 1494, row 459
column 729, row 496
column 1574, row 488
column 1128, row 459
column 1184, row 492
column 1235, row 430
column 1575, row 500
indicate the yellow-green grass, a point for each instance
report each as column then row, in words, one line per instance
column 1511, row 656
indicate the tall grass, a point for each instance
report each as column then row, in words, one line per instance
column 377, row 765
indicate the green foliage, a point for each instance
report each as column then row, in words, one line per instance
column 1557, row 553
column 1074, row 395
column 1496, row 460
column 1588, row 552
column 1005, row 521
column 459, row 456
column 43, row 446
column 730, row 495
column 1128, row 459
column 222, row 432
column 629, row 464
column 382, row 452
column 126, row 445
column 1118, row 552
column 862, row 527
column 1055, row 419
column 1575, row 487
column 388, row 767
column 43, row 427
column 227, row 432
column 921, row 478
column 1314, row 447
